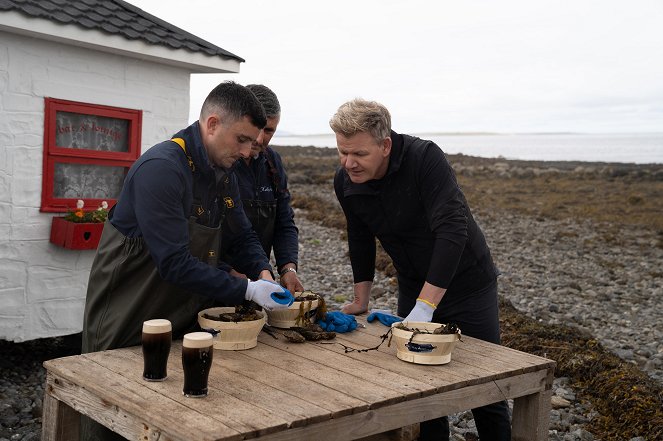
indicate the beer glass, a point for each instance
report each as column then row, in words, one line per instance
column 197, row 353
column 157, row 335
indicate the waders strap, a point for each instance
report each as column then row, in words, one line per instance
column 182, row 144
column 197, row 210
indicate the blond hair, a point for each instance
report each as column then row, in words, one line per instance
column 360, row 115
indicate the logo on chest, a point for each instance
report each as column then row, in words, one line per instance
column 229, row 202
column 265, row 189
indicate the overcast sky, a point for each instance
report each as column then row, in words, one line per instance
column 442, row 65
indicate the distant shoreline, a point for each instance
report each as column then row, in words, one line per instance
column 638, row 148
column 567, row 165
column 420, row 134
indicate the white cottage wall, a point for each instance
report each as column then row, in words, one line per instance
column 42, row 286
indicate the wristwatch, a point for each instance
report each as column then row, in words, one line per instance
column 287, row 270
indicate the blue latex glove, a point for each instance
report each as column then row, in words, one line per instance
column 422, row 312
column 268, row 294
column 385, row 319
column 338, row 322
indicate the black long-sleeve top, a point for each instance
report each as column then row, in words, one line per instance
column 422, row 220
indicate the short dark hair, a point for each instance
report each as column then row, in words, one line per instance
column 267, row 98
column 234, row 101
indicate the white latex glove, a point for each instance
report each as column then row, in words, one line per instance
column 269, row 295
column 422, row 312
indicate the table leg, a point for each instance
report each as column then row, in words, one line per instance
column 531, row 417
column 60, row 422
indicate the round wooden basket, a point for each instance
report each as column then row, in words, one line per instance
column 442, row 344
column 233, row 335
column 287, row 318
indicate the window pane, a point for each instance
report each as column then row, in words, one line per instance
column 87, row 181
column 91, row 132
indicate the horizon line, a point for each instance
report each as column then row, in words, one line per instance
column 480, row 133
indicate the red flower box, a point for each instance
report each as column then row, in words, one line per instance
column 76, row 236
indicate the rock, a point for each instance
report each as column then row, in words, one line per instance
column 559, row 402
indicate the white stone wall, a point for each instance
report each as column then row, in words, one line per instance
column 42, row 286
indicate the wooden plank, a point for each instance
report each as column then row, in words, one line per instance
column 311, row 393
column 530, row 417
column 128, row 408
column 60, row 421
column 531, row 413
column 438, row 377
column 407, row 433
column 524, row 384
column 227, row 410
column 369, row 372
column 348, row 387
column 506, row 353
column 465, row 353
column 457, row 371
column 402, row 414
column 295, row 410
column 491, row 351
column 475, row 345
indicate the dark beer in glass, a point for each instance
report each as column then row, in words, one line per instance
column 197, row 354
column 157, row 335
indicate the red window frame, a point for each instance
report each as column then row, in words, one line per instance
column 54, row 154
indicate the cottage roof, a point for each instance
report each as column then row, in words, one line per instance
column 119, row 27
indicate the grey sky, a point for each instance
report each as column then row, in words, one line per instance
column 443, row 66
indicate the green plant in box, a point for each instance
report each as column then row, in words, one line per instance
column 81, row 216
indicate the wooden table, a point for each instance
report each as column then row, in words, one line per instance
column 285, row 391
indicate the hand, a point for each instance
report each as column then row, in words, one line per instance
column 353, row 308
column 422, row 312
column 290, row 281
column 269, row 295
column 266, row 275
column 385, row 319
column 356, row 307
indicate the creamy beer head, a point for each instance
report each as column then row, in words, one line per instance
column 157, row 326
column 197, row 340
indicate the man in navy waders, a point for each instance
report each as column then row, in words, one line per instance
column 263, row 187
column 158, row 254
column 401, row 190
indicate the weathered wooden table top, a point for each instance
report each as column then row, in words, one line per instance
column 283, row 390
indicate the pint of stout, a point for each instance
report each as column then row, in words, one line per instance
column 157, row 335
column 197, row 353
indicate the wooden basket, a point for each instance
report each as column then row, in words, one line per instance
column 442, row 344
column 233, row 335
column 287, row 318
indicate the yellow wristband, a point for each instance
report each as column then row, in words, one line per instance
column 431, row 304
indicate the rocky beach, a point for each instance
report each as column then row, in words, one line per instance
column 580, row 249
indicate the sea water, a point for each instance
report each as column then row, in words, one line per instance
column 643, row 148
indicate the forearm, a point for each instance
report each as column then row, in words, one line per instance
column 362, row 294
column 266, row 275
column 431, row 293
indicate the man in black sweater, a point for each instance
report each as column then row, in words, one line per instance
column 401, row 190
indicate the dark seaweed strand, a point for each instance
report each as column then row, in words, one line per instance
column 349, row 349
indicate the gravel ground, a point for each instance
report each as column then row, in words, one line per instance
column 555, row 271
